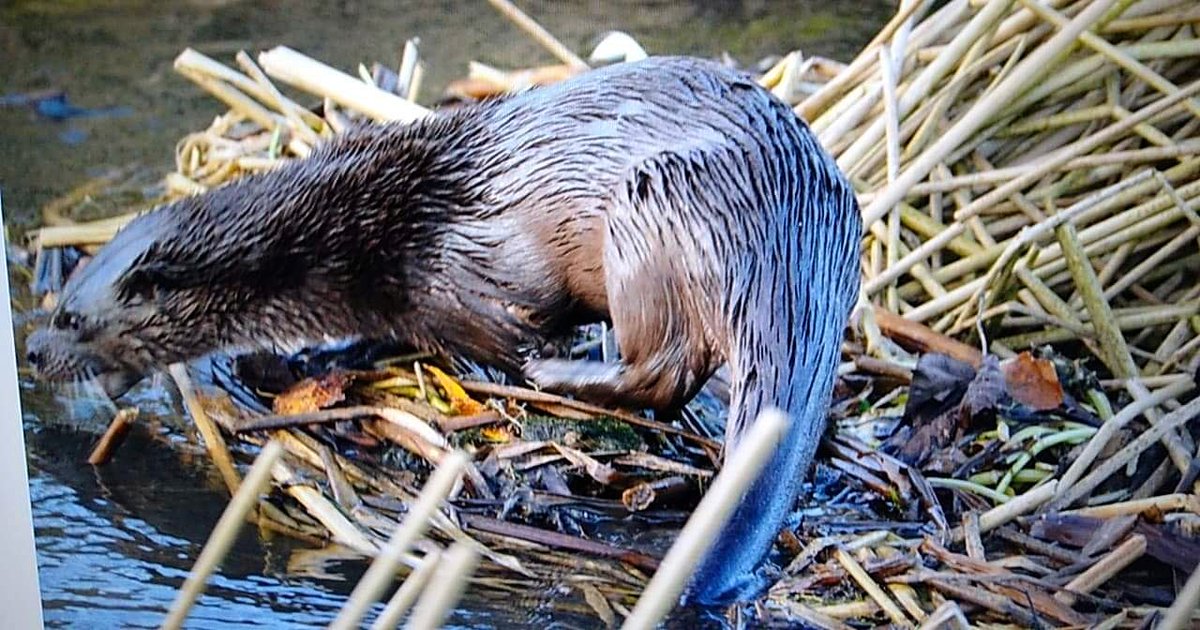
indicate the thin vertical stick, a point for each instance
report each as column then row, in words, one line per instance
column 888, row 68
column 224, row 533
column 383, row 569
column 408, row 69
column 1179, row 615
column 213, row 441
column 700, row 532
column 404, row 597
column 451, row 579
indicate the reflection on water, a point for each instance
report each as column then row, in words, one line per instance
column 115, row 543
column 101, row 566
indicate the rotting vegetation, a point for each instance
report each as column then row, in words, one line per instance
column 1028, row 172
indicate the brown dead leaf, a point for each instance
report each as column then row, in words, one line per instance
column 938, row 385
column 932, row 414
column 312, row 394
column 460, row 402
column 986, row 392
column 1033, row 382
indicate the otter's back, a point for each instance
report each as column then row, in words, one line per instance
column 587, row 134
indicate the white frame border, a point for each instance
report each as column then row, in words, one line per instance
column 20, row 596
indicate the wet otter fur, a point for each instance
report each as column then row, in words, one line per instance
column 670, row 196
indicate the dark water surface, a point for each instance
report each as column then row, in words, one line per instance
column 115, row 543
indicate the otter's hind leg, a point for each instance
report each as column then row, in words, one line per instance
column 660, row 300
column 662, row 364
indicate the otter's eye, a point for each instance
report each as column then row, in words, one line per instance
column 66, row 321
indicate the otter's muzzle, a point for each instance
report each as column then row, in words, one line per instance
column 53, row 362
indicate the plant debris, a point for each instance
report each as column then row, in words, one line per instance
column 1013, row 436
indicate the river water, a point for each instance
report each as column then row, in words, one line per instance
column 115, row 542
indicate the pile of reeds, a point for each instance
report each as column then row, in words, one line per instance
column 1029, row 176
column 1028, row 173
column 1000, row 148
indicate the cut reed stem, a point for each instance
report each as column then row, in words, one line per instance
column 224, row 533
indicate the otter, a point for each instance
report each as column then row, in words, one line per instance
column 672, row 197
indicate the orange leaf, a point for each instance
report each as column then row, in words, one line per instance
column 499, row 435
column 312, row 394
column 1033, row 382
column 460, row 402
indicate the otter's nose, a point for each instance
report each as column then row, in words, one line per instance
column 36, row 346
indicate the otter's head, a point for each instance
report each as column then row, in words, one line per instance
column 156, row 294
column 112, row 323
column 251, row 264
column 315, row 250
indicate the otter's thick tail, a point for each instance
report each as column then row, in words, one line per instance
column 786, row 329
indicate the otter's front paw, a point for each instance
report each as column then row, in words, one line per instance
column 573, row 377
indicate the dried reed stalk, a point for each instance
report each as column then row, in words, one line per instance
column 383, row 569
column 224, row 533
column 742, row 468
